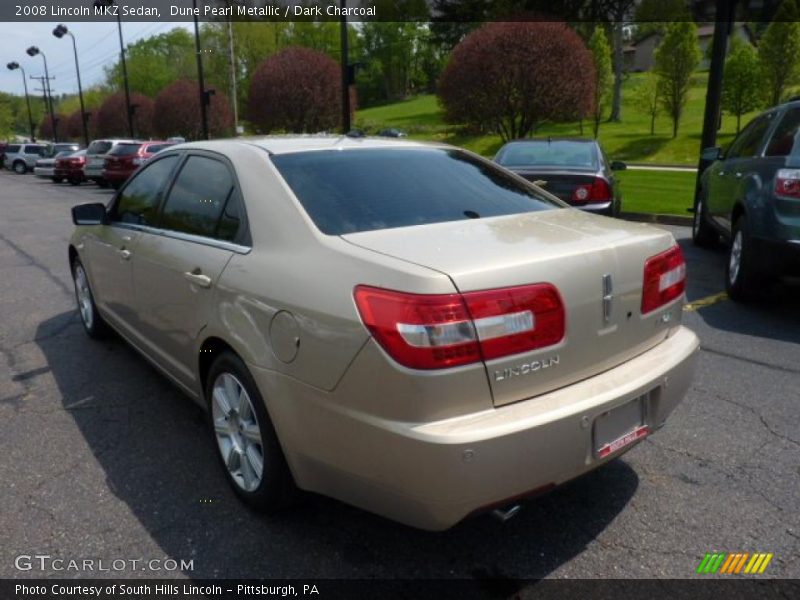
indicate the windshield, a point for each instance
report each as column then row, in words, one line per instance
column 556, row 153
column 382, row 188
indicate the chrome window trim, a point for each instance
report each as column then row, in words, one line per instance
column 185, row 237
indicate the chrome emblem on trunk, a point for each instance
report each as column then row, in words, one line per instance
column 608, row 296
column 526, row 368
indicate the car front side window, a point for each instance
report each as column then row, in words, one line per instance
column 784, row 140
column 138, row 201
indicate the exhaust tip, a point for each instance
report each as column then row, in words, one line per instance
column 507, row 513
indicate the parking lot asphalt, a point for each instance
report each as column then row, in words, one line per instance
column 103, row 459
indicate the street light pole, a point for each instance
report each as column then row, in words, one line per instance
column 33, row 51
column 59, row 32
column 200, row 79
column 128, row 110
column 15, row 65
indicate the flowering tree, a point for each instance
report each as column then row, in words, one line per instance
column 177, row 112
column 512, row 76
column 111, row 119
column 297, row 90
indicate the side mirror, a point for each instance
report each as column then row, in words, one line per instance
column 93, row 213
column 618, row 165
column 711, row 154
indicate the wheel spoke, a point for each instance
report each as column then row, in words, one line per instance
column 232, row 390
column 252, row 433
column 221, row 400
column 248, row 474
column 255, row 460
column 243, row 404
column 221, row 427
column 233, row 460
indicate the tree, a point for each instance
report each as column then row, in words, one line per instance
column 156, row 61
column 45, row 129
column 779, row 52
column 511, row 76
column 296, row 90
column 675, row 60
column 646, row 99
column 618, row 12
column 741, row 89
column 654, row 16
column 72, row 126
column 177, row 112
column 603, row 74
column 111, row 119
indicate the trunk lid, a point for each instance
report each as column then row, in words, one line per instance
column 559, row 183
column 568, row 248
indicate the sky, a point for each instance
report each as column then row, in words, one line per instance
column 98, row 46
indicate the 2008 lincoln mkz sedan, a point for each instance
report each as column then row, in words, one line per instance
column 408, row 328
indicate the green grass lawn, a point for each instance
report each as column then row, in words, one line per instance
column 629, row 140
column 661, row 192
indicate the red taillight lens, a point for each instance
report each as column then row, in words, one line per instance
column 664, row 279
column 447, row 330
column 787, row 183
column 597, row 191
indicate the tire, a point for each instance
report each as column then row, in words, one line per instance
column 101, row 182
column 20, row 168
column 57, row 179
column 703, row 235
column 74, row 181
column 93, row 323
column 243, row 435
column 743, row 281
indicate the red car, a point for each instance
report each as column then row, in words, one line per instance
column 71, row 168
column 125, row 158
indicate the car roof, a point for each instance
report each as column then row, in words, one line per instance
column 552, row 139
column 289, row 144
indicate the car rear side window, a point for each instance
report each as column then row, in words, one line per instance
column 197, row 203
column 153, row 148
column 784, row 140
column 99, row 147
column 138, row 201
column 382, row 188
column 749, row 141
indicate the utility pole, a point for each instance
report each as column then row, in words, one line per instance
column 203, row 97
column 45, row 89
column 232, row 64
column 723, row 25
column 345, row 70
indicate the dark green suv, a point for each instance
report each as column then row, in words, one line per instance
column 750, row 195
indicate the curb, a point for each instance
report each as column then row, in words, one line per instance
column 653, row 218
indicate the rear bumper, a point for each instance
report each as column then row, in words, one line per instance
column 44, row 171
column 778, row 256
column 94, row 172
column 432, row 475
column 115, row 176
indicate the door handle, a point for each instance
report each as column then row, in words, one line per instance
column 125, row 254
column 203, row 281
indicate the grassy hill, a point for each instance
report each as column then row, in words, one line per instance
column 629, row 140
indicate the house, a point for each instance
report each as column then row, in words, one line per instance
column 639, row 56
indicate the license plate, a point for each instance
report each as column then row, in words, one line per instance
column 620, row 427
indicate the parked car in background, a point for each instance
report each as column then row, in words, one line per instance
column 46, row 167
column 96, row 158
column 750, row 195
column 575, row 170
column 124, row 158
column 70, row 167
column 392, row 132
column 21, row 158
column 459, row 339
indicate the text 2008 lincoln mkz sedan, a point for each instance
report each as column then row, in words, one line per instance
column 405, row 327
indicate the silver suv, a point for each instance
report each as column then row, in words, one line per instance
column 21, row 158
column 96, row 157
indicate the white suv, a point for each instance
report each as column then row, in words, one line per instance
column 21, row 158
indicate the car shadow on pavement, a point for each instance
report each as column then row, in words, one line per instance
column 153, row 451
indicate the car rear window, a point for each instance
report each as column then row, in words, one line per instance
column 124, row 149
column 555, row 153
column 99, row 147
column 12, row 149
column 383, row 188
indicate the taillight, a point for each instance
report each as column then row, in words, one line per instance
column 664, row 279
column 597, row 191
column 446, row 330
column 787, row 183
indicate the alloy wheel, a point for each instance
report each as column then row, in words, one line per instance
column 84, row 297
column 237, row 431
column 735, row 260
